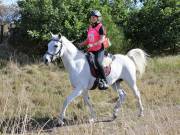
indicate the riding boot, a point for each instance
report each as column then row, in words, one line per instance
column 103, row 85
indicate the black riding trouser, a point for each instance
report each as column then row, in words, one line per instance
column 99, row 55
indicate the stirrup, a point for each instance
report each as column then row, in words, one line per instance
column 102, row 84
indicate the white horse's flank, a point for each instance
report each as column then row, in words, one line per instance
column 123, row 67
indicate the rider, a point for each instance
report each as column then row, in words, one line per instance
column 94, row 42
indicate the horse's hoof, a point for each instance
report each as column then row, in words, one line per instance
column 141, row 115
column 114, row 116
column 60, row 122
column 91, row 121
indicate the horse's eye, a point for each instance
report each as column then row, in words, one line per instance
column 56, row 46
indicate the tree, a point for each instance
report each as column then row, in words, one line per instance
column 70, row 17
column 8, row 13
column 154, row 27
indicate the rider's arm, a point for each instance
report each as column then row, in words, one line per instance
column 85, row 42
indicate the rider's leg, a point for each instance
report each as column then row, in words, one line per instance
column 99, row 59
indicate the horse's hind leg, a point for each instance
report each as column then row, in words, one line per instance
column 137, row 94
column 121, row 93
column 88, row 103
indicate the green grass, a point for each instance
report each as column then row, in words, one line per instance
column 167, row 64
column 32, row 93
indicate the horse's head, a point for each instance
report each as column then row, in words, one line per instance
column 55, row 49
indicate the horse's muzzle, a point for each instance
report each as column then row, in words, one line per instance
column 46, row 59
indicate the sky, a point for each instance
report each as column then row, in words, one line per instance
column 8, row 2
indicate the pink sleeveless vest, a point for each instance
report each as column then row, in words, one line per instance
column 93, row 37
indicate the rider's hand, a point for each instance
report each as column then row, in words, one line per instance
column 90, row 45
column 79, row 46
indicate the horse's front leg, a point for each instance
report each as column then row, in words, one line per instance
column 88, row 103
column 75, row 93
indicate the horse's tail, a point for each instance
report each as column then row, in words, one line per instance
column 139, row 57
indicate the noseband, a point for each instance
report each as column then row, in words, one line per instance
column 58, row 53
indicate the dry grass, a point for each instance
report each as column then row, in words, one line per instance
column 31, row 96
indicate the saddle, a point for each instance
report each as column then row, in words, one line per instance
column 108, row 58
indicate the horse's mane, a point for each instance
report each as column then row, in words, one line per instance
column 69, row 43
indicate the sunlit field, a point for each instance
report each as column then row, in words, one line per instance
column 32, row 94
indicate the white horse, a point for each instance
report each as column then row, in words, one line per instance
column 123, row 67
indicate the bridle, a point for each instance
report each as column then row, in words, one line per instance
column 58, row 53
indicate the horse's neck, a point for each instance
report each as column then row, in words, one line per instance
column 71, row 54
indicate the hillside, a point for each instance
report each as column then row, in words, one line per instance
column 31, row 95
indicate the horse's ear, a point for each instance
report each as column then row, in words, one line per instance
column 59, row 35
column 52, row 35
column 72, row 41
